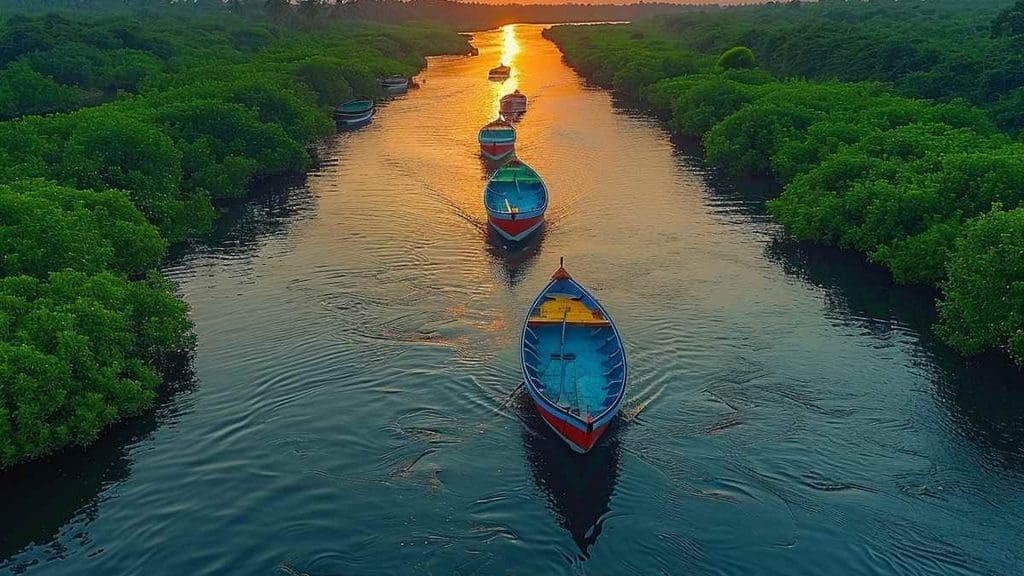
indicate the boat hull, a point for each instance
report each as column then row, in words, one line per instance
column 579, row 439
column 496, row 150
column 500, row 73
column 515, row 230
column 513, row 105
column 395, row 86
column 354, row 119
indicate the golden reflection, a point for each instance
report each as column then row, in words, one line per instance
column 509, row 56
column 510, row 46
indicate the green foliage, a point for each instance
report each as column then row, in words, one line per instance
column 738, row 57
column 935, row 49
column 1008, row 111
column 697, row 110
column 1010, row 22
column 612, row 57
column 25, row 91
column 108, row 149
column 908, row 182
column 90, row 199
column 326, row 77
column 983, row 306
column 746, row 141
column 77, row 353
column 47, row 228
column 225, row 146
column 900, row 195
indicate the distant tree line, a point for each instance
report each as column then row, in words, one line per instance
column 465, row 16
column 930, row 189
column 165, row 116
column 934, row 49
column 477, row 16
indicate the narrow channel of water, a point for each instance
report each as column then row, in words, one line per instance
column 348, row 407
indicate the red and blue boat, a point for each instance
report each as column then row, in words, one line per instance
column 515, row 199
column 497, row 140
column 573, row 362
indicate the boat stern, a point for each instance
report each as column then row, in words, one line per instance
column 580, row 438
column 515, row 230
column 496, row 150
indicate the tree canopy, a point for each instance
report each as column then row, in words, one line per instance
column 737, row 57
column 926, row 184
column 158, row 120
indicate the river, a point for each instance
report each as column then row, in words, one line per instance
column 349, row 408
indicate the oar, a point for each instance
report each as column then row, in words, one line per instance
column 511, row 395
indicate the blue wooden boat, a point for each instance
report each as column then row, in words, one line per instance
column 355, row 112
column 515, row 199
column 573, row 362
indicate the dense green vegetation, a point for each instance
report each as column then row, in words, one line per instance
column 162, row 118
column 936, row 49
column 467, row 16
column 737, row 57
column 928, row 188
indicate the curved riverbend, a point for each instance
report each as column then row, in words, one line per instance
column 350, row 409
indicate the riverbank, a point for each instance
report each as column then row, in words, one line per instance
column 90, row 200
column 924, row 189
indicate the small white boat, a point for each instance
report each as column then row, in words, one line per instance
column 355, row 112
column 395, row 84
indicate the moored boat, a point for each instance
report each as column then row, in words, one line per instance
column 500, row 72
column 497, row 139
column 355, row 112
column 515, row 199
column 573, row 362
column 395, row 84
column 513, row 105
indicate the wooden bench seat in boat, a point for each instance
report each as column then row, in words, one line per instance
column 557, row 307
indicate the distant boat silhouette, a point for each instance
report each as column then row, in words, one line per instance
column 513, row 105
column 500, row 72
column 395, row 84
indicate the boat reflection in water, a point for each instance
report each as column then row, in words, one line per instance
column 578, row 487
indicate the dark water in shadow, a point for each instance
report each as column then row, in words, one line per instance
column 352, row 407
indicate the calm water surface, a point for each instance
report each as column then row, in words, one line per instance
column 349, row 408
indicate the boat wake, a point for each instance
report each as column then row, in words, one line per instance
column 637, row 404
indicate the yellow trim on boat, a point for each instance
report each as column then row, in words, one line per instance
column 560, row 306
